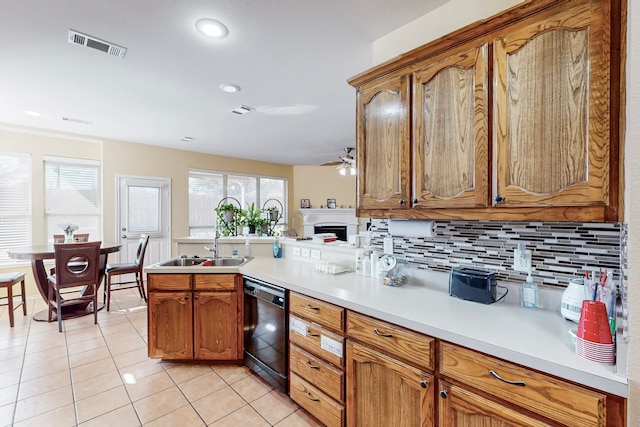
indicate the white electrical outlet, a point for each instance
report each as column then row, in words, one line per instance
column 521, row 260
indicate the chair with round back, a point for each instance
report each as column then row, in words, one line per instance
column 127, row 268
column 69, row 276
column 8, row 280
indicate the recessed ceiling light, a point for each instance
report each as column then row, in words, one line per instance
column 187, row 139
column 228, row 87
column 32, row 113
column 212, row 28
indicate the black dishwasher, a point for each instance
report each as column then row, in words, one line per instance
column 266, row 331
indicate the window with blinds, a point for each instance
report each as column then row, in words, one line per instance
column 207, row 189
column 72, row 196
column 15, row 203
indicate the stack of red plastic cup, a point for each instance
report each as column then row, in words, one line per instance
column 594, row 341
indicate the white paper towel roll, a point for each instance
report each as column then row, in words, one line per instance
column 411, row 228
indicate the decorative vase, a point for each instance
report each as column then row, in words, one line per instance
column 68, row 237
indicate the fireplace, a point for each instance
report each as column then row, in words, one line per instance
column 342, row 222
column 339, row 230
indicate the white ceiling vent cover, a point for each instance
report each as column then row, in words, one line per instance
column 92, row 42
column 242, row 110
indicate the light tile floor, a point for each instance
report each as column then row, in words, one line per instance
column 99, row 375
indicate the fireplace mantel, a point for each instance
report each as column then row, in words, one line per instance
column 320, row 217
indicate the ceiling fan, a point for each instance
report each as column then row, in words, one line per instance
column 346, row 164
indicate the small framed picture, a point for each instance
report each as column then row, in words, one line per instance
column 305, row 203
column 331, row 203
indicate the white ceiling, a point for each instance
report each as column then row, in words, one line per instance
column 290, row 57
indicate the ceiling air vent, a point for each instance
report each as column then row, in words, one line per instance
column 94, row 43
column 242, row 109
column 80, row 121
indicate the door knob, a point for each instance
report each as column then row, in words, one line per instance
column 124, row 236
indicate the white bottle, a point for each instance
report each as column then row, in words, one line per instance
column 374, row 263
column 530, row 293
column 366, row 267
column 247, row 248
column 359, row 260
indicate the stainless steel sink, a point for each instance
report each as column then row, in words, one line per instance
column 200, row 262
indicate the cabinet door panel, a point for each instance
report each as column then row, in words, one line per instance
column 451, row 132
column 170, row 325
column 458, row 407
column 552, row 110
column 216, row 325
column 382, row 391
column 383, row 144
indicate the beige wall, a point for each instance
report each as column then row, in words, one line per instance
column 319, row 183
column 451, row 16
column 124, row 158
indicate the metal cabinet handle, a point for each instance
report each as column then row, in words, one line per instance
column 310, row 307
column 313, row 399
column 381, row 334
column 312, row 335
column 312, row 366
column 423, row 384
column 518, row 383
column 401, row 201
column 415, row 201
column 499, row 199
column 186, row 298
column 443, row 394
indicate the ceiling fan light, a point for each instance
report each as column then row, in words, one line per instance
column 353, row 171
column 342, row 171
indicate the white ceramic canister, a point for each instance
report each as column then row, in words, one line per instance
column 572, row 298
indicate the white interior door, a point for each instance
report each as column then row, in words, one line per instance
column 143, row 206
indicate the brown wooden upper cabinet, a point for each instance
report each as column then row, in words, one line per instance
column 450, row 145
column 383, row 143
column 551, row 123
column 509, row 118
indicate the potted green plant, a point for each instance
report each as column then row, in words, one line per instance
column 274, row 213
column 251, row 217
column 227, row 218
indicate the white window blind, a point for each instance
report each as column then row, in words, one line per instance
column 208, row 188
column 72, row 195
column 15, row 203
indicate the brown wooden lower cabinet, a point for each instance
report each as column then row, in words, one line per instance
column 382, row 391
column 317, row 403
column 458, row 406
column 186, row 323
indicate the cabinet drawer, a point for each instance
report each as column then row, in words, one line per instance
column 317, row 340
column 169, row 282
column 415, row 348
column 214, row 282
column 328, row 315
column 318, row 404
column 550, row 397
column 326, row 377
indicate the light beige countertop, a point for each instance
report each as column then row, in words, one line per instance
column 537, row 339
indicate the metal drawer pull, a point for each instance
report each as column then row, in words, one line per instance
column 381, row 334
column 312, row 335
column 312, row 366
column 312, row 398
column 310, row 307
column 443, row 394
column 423, row 384
column 519, row 383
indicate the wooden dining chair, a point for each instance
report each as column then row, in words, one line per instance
column 79, row 237
column 69, row 276
column 8, row 280
column 127, row 268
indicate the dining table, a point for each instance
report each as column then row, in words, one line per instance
column 37, row 255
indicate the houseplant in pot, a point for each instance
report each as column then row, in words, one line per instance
column 251, row 217
column 227, row 218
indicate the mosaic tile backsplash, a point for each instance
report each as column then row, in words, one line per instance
column 560, row 250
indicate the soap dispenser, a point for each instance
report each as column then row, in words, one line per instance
column 247, row 248
column 529, row 294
